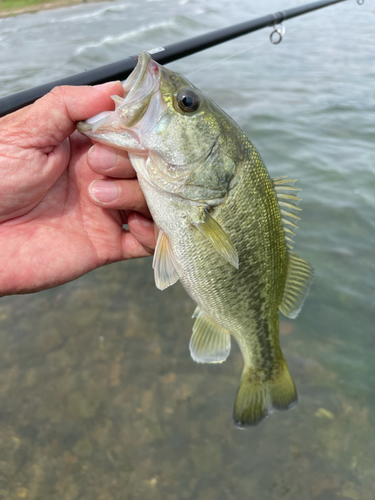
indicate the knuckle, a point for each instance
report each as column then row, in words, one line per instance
column 60, row 97
column 57, row 96
column 59, row 93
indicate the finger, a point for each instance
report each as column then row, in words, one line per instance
column 132, row 248
column 53, row 118
column 143, row 230
column 110, row 162
column 119, row 194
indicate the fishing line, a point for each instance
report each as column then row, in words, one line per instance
column 263, row 42
column 225, row 59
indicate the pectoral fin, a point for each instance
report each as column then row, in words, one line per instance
column 209, row 342
column 298, row 281
column 164, row 263
column 218, row 238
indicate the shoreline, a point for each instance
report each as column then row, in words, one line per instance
column 31, row 9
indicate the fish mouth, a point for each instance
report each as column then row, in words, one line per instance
column 119, row 128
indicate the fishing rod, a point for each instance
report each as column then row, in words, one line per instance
column 120, row 70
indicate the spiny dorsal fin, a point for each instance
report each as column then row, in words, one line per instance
column 164, row 264
column 298, row 281
column 300, row 273
column 209, row 342
column 282, row 186
column 218, row 238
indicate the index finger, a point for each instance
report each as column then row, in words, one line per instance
column 52, row 118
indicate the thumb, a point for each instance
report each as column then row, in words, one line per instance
column 51, row 119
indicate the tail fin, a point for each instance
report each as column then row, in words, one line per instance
column 256, row 398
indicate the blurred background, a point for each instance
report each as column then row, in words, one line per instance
column 99, row 399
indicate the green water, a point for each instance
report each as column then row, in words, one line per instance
column 99, row 399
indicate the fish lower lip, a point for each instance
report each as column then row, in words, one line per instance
column 83, row 126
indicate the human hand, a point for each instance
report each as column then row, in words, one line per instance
column 53, row 226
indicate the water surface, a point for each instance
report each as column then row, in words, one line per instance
column 99, row 399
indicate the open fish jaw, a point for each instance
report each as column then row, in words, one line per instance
column 123, row 127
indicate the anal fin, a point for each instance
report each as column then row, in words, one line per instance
column 298, row 281
column 164, row 264
column 209, row 343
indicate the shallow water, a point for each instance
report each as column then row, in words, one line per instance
column 99, row 399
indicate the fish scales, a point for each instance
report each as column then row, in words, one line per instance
column 221, row 232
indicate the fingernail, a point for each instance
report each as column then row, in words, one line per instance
column 107, row 85
column 142, row 220
column 102, row 157
column 104, row 191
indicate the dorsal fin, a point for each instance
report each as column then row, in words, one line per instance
column 282, row 187
column 300, row 273
column 164, row 263
column 298, row 281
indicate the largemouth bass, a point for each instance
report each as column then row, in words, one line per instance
column 225, row 227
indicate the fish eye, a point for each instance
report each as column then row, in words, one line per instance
column 188, row 100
